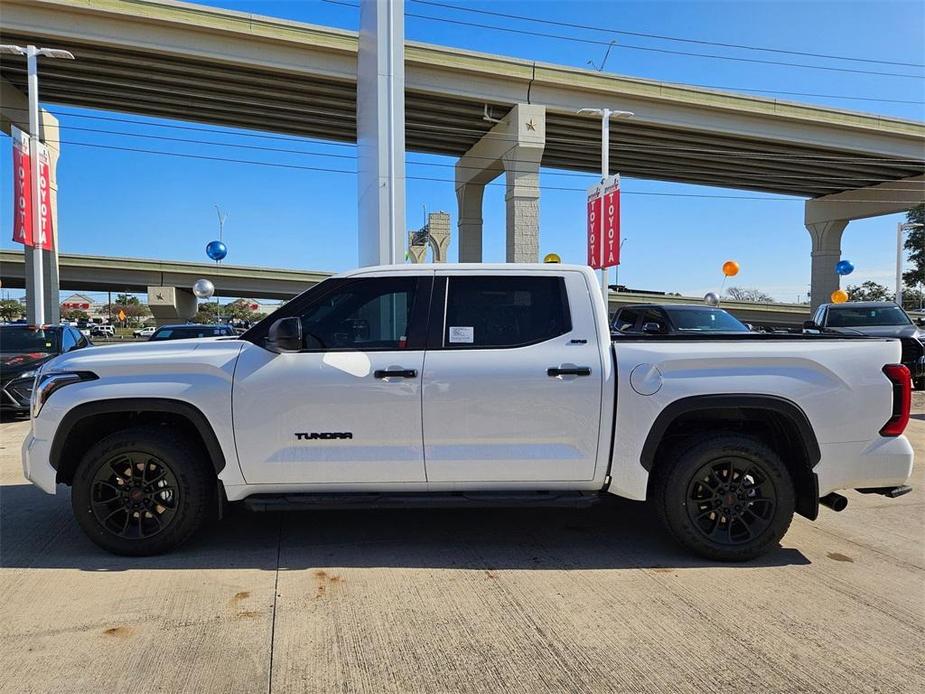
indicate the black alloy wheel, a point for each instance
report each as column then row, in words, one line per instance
column 135, row 495
column 731, row 500
column 143, row 490
column 727, row 496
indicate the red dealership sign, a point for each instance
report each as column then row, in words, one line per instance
column 23, row 231
column 611, row 221
column 604, row 223
column 594, row 226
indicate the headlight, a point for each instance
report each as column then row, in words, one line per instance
column 48, row 383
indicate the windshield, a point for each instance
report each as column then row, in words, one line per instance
column 705, row 320
column 865, row 316
column 22, row 339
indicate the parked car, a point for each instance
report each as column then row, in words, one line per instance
column 23, row 349
column 470, row 385
column 675, row 319
column 185, row 331
column 880, row 319
column 103, row 330
column 147, row 331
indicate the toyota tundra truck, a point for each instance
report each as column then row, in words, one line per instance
column 468, row 385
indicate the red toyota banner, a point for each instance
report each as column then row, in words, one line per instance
column 23, row 231
column 22, row 188
column 46, row 236
column 594, row 227
column 611, row 213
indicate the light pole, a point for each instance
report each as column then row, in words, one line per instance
column 901, row 228
column 606, row 114
column 32, row 69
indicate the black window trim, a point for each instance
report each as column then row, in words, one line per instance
column 438, row 314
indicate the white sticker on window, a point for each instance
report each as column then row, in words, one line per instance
column 462, row 334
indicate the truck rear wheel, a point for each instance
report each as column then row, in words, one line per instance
column 728, row 497
column 142, row 491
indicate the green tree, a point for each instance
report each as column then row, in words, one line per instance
column 209, row 312
column 869, row 291
column 746, row 294
column 76, row 315
column 10, row 309
column 915, row 244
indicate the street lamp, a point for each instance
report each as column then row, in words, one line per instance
column 606, row 114
column 32, row 68
column 901, row 228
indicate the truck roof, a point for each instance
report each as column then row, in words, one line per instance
column 488, row 267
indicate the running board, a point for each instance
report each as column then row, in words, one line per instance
column 330, row 501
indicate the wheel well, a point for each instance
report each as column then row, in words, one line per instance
column 776, row 429
column 73, row 441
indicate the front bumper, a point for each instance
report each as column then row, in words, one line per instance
column 36, row 465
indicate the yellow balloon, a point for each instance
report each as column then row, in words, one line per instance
column 552, row 258
column 839, row 296
column 730, row 268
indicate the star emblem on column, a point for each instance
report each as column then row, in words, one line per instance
column 531, row 125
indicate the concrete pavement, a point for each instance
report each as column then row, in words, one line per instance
column 460, row 601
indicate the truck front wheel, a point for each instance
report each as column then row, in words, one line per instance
column 728, row 497
column 142, row 491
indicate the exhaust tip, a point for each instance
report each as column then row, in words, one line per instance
column 834, row 501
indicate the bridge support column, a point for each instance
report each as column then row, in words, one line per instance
column 826, row 218
column 514, row 146
column 171, row 304
column 469, row 200
column 14, row 107
column 826, row 252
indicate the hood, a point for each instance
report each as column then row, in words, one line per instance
column 135, row 358
column 13, row 364
column 885, row 331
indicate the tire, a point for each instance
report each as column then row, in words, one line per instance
column 716, row 518
column 142, row 491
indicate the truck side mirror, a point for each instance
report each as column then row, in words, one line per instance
column 810, row 325
column 285, row 335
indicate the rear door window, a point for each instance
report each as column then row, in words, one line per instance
column 504, row 311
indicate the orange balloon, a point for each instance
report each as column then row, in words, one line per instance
column 839, row 296
column 730, row 268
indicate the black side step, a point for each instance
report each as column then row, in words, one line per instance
column 329, row 501
column 891, row 492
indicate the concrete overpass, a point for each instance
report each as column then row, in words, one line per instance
column 201, row 64
column 100, row 274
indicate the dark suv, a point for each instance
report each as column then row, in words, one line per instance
column 185, row 331
column 675, row 319
column 23, row 349
column 879, row 319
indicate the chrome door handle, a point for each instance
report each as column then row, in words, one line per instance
column 395, row 373
column 554, row 371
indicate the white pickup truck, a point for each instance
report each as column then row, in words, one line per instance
column 468, row 385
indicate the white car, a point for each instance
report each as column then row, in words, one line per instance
column 469, row 385
column 147, row 331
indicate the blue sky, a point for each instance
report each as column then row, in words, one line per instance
column 144, row 205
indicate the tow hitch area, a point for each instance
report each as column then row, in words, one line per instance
column 891, row 492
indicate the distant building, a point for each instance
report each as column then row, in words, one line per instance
column 81, row 302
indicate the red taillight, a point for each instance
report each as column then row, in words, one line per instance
column 902, row 399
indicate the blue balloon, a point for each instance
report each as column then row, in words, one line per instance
column 844, row 267
column 216, row 250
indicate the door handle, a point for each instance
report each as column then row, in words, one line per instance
column 395, row 373
column 554, row 371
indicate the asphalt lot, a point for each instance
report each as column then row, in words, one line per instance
column 461, row 601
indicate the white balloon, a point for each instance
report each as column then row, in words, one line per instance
column 711, row 299
column 203, row 289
